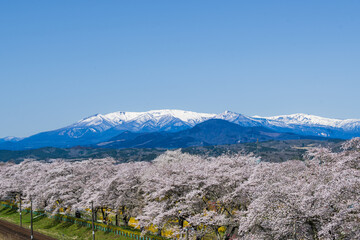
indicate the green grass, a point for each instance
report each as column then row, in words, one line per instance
column 56, row 229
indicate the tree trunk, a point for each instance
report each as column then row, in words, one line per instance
column 159, row 232
column 126, row 220
column 314, row 231
column 181, row 222
column 103, row 214
column 116, row 220
column 95, row 214
column 229, row 234
column 218, row 235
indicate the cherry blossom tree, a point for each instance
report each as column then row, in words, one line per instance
column 230, row 196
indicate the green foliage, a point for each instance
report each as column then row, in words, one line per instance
column 64, row 230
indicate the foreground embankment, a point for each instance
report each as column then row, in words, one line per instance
column 9, row 231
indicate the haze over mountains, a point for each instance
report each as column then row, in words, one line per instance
column 177, row 128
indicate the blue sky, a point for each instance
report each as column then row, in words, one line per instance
column 65, row 60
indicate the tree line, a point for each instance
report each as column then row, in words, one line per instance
column 230, row 196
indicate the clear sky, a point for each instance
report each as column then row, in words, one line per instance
column 61, row 61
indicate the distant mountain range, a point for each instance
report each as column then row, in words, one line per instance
column 177, row 128
column 210, row 132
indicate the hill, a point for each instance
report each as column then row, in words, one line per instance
column 210, row 132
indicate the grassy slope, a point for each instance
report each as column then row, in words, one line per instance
column 56, row 229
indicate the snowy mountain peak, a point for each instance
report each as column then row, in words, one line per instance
column 229, row 112
column 186, row 116
column 102, row 127
column 175, row 120
column 10, row 139
column 154, row 120
column 238, row 119
column 309, row 120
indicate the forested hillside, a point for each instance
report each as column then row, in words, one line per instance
column 270, row 151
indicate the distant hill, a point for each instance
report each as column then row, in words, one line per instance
column 271, row 151
column 80, row 153
column 210, row 132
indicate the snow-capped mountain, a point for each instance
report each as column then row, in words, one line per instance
column 151, row 121
column 315, row 121
column 10, row 139
column 303, row 124
column 99, row 128
column 164, row 120
column 306, row 124
column 239, row 119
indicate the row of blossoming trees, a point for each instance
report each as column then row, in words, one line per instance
column 226, row 196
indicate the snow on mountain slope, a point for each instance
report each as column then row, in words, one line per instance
column 97, row 123
column 311, row 120
column 100, row 128
column 166, row 120
column 10, row 139
column 306, row 124
column 185, row 116
column 239, row 119
column 156, row 120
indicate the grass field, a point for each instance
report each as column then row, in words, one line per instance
column 55, row 229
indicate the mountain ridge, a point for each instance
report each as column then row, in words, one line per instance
column 210, row 132
column 100, row 128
